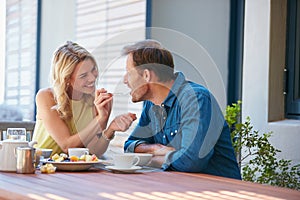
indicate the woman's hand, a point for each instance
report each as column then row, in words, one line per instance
column 103, row 103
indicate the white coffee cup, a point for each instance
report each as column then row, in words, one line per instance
column 145, row 158
column 125, row 160
column 78, row 151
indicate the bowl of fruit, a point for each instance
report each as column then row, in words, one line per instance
column 73, row 163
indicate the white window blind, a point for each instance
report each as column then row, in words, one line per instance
column 104, row 27
column 20, row 67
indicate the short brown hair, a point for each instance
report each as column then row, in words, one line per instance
column 149, row 54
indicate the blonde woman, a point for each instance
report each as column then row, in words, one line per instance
column 73, row 113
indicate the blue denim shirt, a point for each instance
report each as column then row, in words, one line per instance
column 190, row 120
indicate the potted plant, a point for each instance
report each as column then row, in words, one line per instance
column 257, row 156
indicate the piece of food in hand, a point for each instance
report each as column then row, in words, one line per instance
column 133, row 116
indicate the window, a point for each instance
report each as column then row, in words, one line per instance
column 293, row 60
column 104, row 27
column 101, row 27
column 20, row 56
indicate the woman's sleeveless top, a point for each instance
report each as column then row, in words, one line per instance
column 82, row 116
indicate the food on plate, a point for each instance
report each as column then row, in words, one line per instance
column 64, row 158
column 47, row 168
column 89, row 158
column 74, row 158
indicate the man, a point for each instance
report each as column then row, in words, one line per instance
column 181, row 123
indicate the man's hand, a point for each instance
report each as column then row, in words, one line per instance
column 122, row 122
column 161, row 150
column 155, row 149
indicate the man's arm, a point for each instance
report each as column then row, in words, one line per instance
column 155, row 149
column 201, row 126
column 159, row 152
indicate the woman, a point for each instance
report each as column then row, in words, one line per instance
column 73, row 113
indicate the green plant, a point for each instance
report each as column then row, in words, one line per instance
column 257, row 156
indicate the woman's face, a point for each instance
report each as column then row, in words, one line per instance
column 83, row 79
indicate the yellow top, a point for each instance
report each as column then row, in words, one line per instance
column 82, row 116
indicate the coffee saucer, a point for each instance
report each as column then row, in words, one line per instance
column 120, row 169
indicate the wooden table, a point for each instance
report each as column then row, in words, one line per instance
column 101, row 184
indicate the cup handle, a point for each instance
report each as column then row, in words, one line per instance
column 136, row 160
column 86, row 153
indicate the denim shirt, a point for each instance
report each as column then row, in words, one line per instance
column 190, row 120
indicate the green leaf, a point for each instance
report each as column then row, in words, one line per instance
column 262, row 165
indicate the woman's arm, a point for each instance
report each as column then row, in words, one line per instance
column 99, row 144
column 57, row 127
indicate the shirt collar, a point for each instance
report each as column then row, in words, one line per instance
column 179, row 81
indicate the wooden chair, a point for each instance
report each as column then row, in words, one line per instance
column 28, row 125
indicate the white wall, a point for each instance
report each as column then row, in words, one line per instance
column 255, row 81
column 197, row 32
column 58, row 26
column 203, row 25
column 2, row 47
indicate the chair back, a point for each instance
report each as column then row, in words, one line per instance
column 28, row 125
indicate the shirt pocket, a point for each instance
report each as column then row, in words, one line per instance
column 172, row 135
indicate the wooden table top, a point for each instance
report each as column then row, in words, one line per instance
column 102, row 184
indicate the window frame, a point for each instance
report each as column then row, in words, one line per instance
column 21, row 56
column 292, row 61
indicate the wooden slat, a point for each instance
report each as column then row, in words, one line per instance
column 4, row 194
column 99, row 184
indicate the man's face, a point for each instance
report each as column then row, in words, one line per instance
column 135, row 81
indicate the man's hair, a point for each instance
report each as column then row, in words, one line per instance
column 149, row 54
column 140, row 45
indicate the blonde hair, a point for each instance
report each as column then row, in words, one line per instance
column 64, row 62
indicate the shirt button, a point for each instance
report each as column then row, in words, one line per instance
column 164, row 136
column 162, row 105
column 172, row 133
column 175, row 131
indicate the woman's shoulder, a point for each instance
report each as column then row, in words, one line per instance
column 45, row 95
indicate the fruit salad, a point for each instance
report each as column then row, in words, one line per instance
column 65, row 158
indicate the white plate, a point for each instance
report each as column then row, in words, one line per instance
column 72, row 166
column 118, row 169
